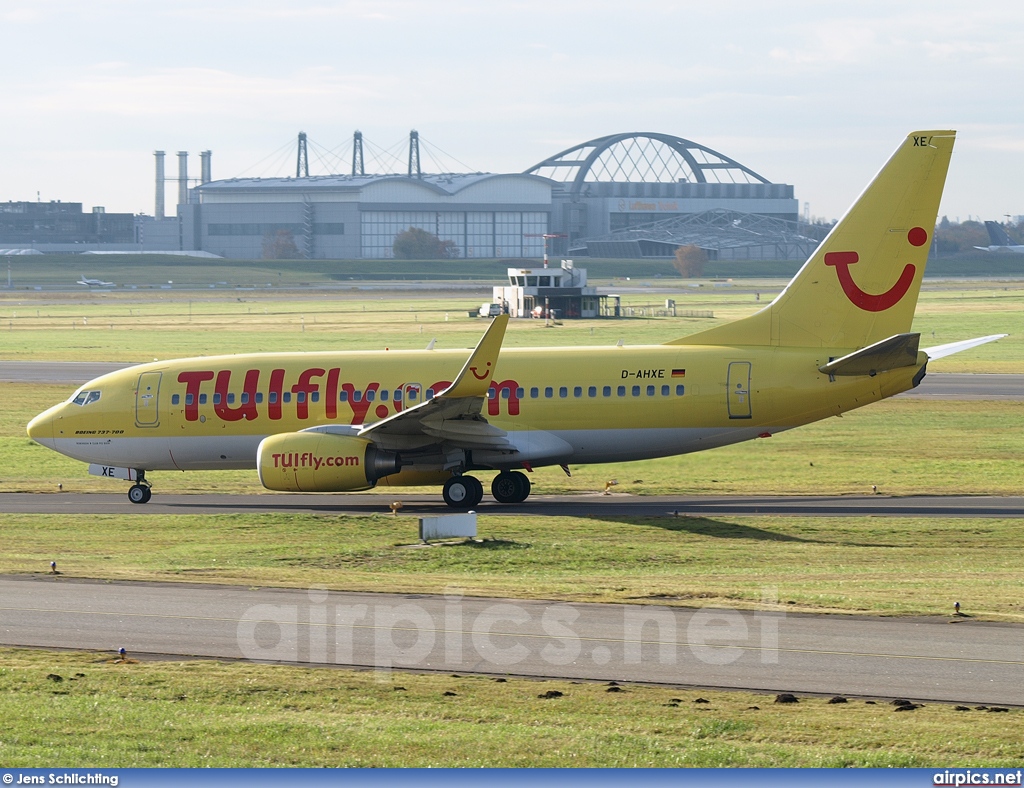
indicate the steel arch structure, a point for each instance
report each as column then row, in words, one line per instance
column 642, row 157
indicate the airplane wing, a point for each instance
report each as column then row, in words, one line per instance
column 454, row 414
column 941, row 351
column 451, row 416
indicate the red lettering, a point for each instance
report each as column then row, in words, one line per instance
column 359, row 408
column 512, row 387
column 246, row 410
column 332, row 393
column 304, row 387
column 440, row 386
column 276, row 389
column 193, row 381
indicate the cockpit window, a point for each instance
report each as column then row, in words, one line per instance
column 86, row 397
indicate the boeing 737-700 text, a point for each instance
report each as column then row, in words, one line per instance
column 837, row 338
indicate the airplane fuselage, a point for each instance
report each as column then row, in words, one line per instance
column 557, row 405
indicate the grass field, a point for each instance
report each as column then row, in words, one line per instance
column 884, row 566
column 208, row 714
column 136, row 327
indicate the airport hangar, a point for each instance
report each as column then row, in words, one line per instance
column 629, row 195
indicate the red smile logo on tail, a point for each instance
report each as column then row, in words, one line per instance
column 842, row 261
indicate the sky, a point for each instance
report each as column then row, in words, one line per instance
column 814, row 94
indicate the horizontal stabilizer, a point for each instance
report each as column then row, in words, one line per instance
column 941, row 351
column 892, row 353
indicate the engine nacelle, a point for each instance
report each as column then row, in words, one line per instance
column 321, row 462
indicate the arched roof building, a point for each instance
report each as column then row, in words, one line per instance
column 614, row 184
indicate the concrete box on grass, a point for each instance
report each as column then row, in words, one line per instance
column 448, row 526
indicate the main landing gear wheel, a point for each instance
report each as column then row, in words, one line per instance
column 139, row 493
column 510, row 487
column 463, row 492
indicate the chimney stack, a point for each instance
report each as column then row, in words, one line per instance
column 183, row 177
column 206, row 169
column 159, row 210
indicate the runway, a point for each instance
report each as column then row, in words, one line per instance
column 584, row 505
column 928, row 659
column 934, row 386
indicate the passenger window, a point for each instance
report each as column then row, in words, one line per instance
column 343, row 396
column 189, row 399
column 202, row 399
column 273, row 398
column 563, row 391
column 259, row 397
column 534, row 392
column 592, row 391
column 549, row 392
column 315, row 396
column 621, row 391
column 665, row 391
column 286, row 397
column 606, row 391
column 216, row 399
column 371, row 395
column 520, row 393
column 357, row 396
column 300, row 396
column 383, row 395
column 636, row 391
column 577, row 391
column 679, row 390
column 175, row 399
column 650, row 391
column 245, row 398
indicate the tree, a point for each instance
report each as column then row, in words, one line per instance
column 280, row 245
column 418, row 244
column 690, row 261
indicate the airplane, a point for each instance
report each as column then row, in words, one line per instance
column 837, row 338
column 1001, row 242
column 93, row 282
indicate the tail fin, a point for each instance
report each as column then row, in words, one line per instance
column 861, row 284
column 997, row 235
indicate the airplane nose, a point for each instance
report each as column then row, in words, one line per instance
column 40, row 429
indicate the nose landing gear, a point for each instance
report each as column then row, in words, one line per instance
column 141, row 491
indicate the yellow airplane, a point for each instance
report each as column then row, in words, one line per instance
column 837, row 338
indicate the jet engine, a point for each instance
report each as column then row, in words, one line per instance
column 321, row 462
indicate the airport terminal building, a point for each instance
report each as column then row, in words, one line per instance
column 358, row 216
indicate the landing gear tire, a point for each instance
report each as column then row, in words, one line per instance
column 463, row 492
column 139, row 493
column 510, row 487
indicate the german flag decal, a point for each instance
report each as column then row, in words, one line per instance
column 679, row 373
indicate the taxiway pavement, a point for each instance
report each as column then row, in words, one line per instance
column 952, row 659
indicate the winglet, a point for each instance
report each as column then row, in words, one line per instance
column 475, row 377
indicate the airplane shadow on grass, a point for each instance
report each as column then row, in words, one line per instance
column 723, row 529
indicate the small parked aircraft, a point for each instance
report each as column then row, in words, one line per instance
column 837, row 338
column 93, row 282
